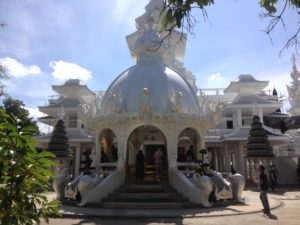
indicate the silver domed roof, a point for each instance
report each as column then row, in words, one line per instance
column 152, row 85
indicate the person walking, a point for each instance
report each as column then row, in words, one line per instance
column 158, row 160
column 263, row 180
column 273, row 174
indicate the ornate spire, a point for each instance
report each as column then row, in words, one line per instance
column 294, row 90
column 150, row 40
column 295, row 73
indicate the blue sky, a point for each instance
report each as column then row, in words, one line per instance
column 46, row 42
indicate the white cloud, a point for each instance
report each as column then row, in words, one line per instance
column 64, row 70
column 35, row 113
column 216, row 77
column 17, row 69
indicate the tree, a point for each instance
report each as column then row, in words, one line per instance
column 177, row 13
column 24, row 173
column 16, row 108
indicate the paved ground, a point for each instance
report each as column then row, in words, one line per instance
column 285, row 204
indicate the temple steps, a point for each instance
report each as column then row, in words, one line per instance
column 146, row 195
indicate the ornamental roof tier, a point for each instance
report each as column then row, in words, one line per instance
column 246, row 84
column 72, row 88
column 74, row 135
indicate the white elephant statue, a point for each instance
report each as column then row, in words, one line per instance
column 237, row 182
column 221, row 186
column 205, row 184
column 83, row 183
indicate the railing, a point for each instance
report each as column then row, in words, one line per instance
column 287, row 151
column 211, row 91
column 106, row 168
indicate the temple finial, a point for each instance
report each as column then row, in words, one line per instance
column 295, row 73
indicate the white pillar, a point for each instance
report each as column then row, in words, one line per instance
column 227, row 159
column 172, row 151
column 77, row 159
column 216, row 161
column 98, row 149
column 239, row 117
column 241, row 160
column 122, row 148
column 261, row 116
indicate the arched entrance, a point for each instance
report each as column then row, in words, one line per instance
column 109, row 146
column 147, row 139
column 188, row 144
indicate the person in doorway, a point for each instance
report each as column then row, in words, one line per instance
column 263, row 181
column 273, row 174
column 158, row 160
column 104, row 157
column 181, row 155
column 190, row 154
column 232, row 170
column 140, row 166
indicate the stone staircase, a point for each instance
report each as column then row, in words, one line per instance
column 146, row 195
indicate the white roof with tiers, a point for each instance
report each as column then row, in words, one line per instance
column 73, row 89
column 246, row 84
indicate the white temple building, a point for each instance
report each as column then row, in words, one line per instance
column 156, row 104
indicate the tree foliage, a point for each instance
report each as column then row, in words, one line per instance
column 177, row 13
column 24, row 173
column 17, row 108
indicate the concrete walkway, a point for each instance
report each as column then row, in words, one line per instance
column 251, row 205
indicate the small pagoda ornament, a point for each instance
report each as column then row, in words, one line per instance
column 258, row 149
column 59, row 146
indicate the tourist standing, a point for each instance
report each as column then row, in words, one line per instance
column 158, row 160
column 273, row 174
column 190, row 154
column 263, row 180
column 140, row 165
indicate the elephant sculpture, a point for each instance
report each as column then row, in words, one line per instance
column 237, row 182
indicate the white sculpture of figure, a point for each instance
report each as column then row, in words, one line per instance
column 177, row 101
column 237, row 182
column 295, row 74
column 93, row 158
column 222, row 188
column 59, row 185
column 205, row 184
column 145, row 106
column 294, row 90
column 216, row 116
column 84, row 183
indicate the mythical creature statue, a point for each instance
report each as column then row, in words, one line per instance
column 221, row 187
column 205, row 184
column 83, row 183
column 66, row 189
column 237, row 182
